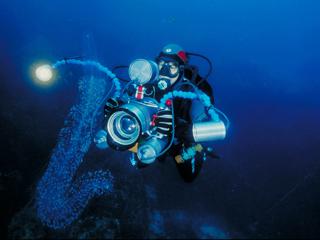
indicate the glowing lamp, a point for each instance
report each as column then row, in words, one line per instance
column 44, row 73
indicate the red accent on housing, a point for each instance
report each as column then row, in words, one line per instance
column 153, row 122
column 183, row 56
column 139, row 92
column 168, row 102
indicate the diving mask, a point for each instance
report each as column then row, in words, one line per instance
column 168, row 68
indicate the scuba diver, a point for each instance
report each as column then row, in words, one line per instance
column 174, row 73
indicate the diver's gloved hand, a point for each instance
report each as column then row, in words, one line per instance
column 111, row 105
column 163, row 122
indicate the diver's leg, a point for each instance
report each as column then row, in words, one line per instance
column 189, row 169
column 186, row 174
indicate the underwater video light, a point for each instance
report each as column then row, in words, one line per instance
column 44, row 73
column 143, row 71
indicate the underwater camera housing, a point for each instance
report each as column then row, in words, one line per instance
column 130, row 125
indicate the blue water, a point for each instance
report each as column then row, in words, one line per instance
column 266, row 59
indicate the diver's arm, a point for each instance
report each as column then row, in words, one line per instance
column 183, row 129
column 197, row 113
column 163, row 122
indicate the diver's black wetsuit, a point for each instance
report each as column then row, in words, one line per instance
column 184, row 119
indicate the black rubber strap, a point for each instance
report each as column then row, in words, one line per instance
column 163, row 120
column 164, row 132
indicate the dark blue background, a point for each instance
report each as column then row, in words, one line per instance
column 266, row 61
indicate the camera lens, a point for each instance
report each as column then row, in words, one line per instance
column 128, row 124
column 123, row 128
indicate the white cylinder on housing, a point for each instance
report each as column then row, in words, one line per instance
column 208, row 131
column 149, row 150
